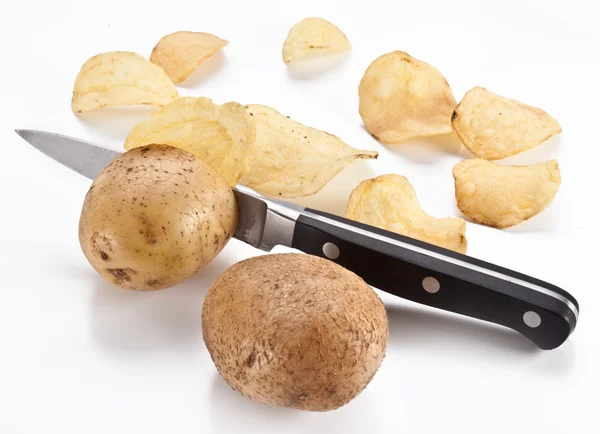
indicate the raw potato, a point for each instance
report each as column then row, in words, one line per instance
column 180, row 53
column 294, row 330
column 121, row 78
column 311, row 37
column 493, row 127
column 155, row 216
column 401, row 97
column 389, row 202
column 290, row 159
column 504, row 196
column 221, row 135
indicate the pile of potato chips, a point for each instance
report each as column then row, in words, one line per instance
column 400, row 98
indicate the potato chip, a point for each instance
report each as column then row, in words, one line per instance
column 401, row 98
column 121, row 78
column 180, row 53
column 292, row 160
column 493, row 127
column 221, row 135
column 311, row 37
column 389, row 202
column 504, row 196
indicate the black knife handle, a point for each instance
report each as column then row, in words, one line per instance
column 441, row 278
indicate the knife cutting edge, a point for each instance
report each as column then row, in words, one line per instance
column 402, row 266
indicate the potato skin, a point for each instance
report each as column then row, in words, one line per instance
column 294, row 330
column 154, row 216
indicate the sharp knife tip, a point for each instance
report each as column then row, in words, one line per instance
column 22, row 132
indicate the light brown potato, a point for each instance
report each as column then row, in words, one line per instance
column 290, row 159
column 221, row 135
column 121, row 78
column 180, row 53
column 311, row 37
column 504, row 196
column 401, row 97
column 294, row 330
column 389, row 202
column 493, row 127
column 155, row 216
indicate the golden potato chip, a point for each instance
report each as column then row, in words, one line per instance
column 121, row 78
column 504, row 196
column 389, row 202
column 290, row 159
column 180, row 53
column 401, row 97
column 313, row 36
column 221, row 135
column 493, row 127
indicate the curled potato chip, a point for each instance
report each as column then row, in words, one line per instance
column 504, row 196
column 180, row 53
column 313, row 36
column 401, row 97
column 221, row 135
column 493, row 127
column 120, row 78
column 290, row 159
column 389, row 202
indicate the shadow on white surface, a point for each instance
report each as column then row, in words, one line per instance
column 334, row 196
column 205, row 70
column 427, row 150
column 417, row 329
column 312, row 67
column 116, row 122
column 541, row 153
column 124, row 321
column 560, row 361
column 430, row 149
column 231, row 412
column 546, row 221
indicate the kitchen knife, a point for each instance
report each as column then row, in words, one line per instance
column 402, row 266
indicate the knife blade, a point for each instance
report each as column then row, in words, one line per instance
column 263, row 223
column 402, row 266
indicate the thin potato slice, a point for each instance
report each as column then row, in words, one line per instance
column 220, row 135
column 121, row 78
column 504, row 196
column 389, row 202
column 180, row 53
column 292, row 160
column 493, row 127
column 311, row 37
column 401, row 97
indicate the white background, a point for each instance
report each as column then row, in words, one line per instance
column 80, row 356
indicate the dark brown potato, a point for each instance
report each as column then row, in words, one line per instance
column 295, row 330
column 154, row 217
